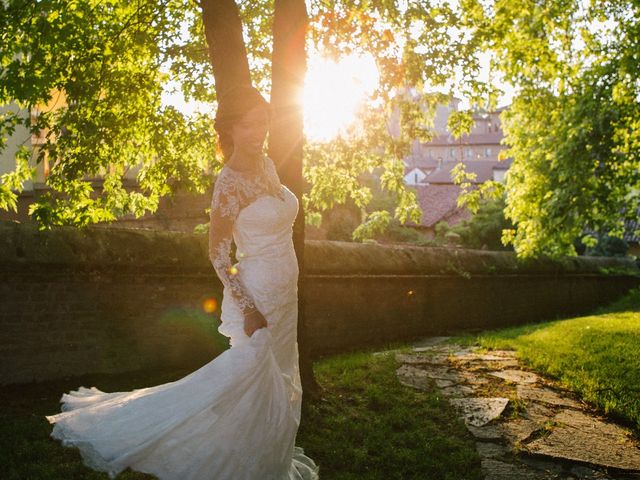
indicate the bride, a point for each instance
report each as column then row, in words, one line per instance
column 236, row 418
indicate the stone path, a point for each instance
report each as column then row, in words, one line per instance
column 525, row 426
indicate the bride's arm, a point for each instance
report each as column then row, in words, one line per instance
column 225, row 206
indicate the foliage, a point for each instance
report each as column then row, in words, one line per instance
column 609, row 246
column 572, row 128
column 484, row 228
column 12, row 182
column 406, row 41
column 93, row 72
column 110, row 61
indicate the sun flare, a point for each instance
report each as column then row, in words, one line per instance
column 333, row 91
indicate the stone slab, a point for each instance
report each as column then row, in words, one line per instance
column 444, row 383
column 545, row 395
column 486, row 432
column 420, row 359
column 473, row 378
column 457, row 391
column 437, row 372
column 491, row 450
column 586, row 439
column 479, row 411
column 539, row 412
column 516, row 376
column 480, row 357
column 517, row 430
column 498, row 470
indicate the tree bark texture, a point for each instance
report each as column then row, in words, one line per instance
column 227, row 52
column 289, row 64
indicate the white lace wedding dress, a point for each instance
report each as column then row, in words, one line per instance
column 236, row 418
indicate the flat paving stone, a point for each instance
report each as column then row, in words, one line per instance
column 519, row 429
column 545, row 395
column 491, row 450
column 463, row 352
column 539, row 412
column 580, row 437
column 457, row 391
column 473, row 378
column 420, row 359
column 585, row 473
column 554, row 438
column 414, row 377
column 517, row 376
column 485, row 432
column 479, row 411
column 498, row 470
column 503, row 364
column 444, row 383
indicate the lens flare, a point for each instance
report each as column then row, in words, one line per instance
column 210, row 305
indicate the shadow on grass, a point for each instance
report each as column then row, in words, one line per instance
column 365, row 425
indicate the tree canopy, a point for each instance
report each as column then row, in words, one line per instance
column 573, row 125
column 572, row 128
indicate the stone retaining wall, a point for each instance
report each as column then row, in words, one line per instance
column 116, row 300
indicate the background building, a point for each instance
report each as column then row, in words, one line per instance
column 428, row 167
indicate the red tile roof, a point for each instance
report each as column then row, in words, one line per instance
column 439, row 202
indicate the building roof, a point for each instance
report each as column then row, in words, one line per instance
column 439, row 202
column 425, row 162
column 492, row 138
column 482, row 168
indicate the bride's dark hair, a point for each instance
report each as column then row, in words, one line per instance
column 231, row 107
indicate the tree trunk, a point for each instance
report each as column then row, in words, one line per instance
column 228, row 55
column 227, row 52
column 289, row 63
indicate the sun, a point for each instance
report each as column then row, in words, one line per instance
column 333, row 91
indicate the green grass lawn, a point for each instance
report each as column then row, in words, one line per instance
column 369, row 427
column 365, row 426
column 597, row 356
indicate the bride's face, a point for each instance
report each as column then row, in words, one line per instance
column 250, row 132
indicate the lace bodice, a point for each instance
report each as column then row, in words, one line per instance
column 233, row 191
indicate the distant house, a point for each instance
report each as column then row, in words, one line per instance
column 428, row 167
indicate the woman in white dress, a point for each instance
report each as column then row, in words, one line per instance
column 236, row 418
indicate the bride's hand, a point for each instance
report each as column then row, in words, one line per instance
column 253, row 321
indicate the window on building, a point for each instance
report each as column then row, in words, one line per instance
column 469, row 152
column 452, row 152
column 487, row 152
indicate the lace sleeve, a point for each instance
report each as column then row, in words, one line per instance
column 225, row 206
